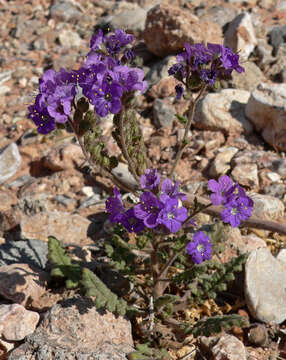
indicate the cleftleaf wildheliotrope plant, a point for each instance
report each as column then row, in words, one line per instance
column 158, row 237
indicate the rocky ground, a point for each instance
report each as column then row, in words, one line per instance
column 46, row 187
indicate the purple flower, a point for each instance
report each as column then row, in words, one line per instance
column 170, row 190
column 174, row 69
column 115, row 42
column 237, row 210
column 150, row 180
column 179, row 91
column 208, row 76
column 131, row 222
column 200, row 249
column 41, row 118
column 172, row 216
column 105, row 98
column 130, row 79
column 114, row 207
column 148, row 209
column 230, row 60
column 97, row 40
column 220, row 189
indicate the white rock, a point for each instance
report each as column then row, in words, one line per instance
column 223, row 111
column 10, row 161
column 265, row 283
column 16, row 322
column 69, row 39
column 266, row 109
column 267, row 207
column 273, row 176
column 227, row 347
column 221, row 164
column 246, row 174
column 240, row 35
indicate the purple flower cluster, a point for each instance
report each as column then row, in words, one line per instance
column 159, row 206
column 200, row 249
column 237, row 205
column 204, row 64
column 104, row 79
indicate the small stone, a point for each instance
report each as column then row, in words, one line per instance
column 168, row 27
column 220, row 15
column 226, row 347
column 74, row 329
column 276, row 37
column 31, row 252
column 65, row 11
column 258, row 335
column 16, row 322
column 221, row 164
column 123, row 174
column 19, row 282
column 223, row 111
column 63, row 157
column 266, row 109
column 66, row 227
column 5, row 76
column 240, row 35
column 246, row 175
column 10, row 161
column 267, row 207
column 129, row 19
column 265, row 283
column 274, row 177
column 249, row 79
column 275, row 190
column 163, row 113
column 69, row 39
column 7, row 200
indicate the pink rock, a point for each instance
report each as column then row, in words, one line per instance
column 18, row 282
column 168, row 28
column 16, row 322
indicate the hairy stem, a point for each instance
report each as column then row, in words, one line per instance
column 94, row 166
column 191, row 112
column 124, row 147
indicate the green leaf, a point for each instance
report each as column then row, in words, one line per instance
column 183, row 120
column 104, row 298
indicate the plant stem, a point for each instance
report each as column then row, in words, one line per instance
column 191, row 112
column 124, row 147
column 94, row 166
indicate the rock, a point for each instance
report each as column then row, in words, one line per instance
column 19, row 282
column 63, row 157
column 276, row 37
column 5, row 76
column 129, row 19
column 66, row 227
column 163, row 88
column 258, row 335
column 223, row 111
column 249, row 79
column 123, row 174
column 74, row 329
column 226, row 347
column 10, row 161
column 159, row 71
column 65, row 11
column 7, row 200
column 246, row 175
column 267, row 207
column 221, row 164
column 266, row 109
column 278, row 66
column 16, row 322
column 275, row 190
column 265, row 282
column 168, row 28
column 240, row 35
column 263, row 53
column 32, row 252
column 163, row 114
column 220, row 15
column 69, row 39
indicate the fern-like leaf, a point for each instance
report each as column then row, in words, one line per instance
column 62, row 265
column 216, row 324
column 104, row 298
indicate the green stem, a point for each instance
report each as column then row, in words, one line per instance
column 124, row 147
column 191, row 112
